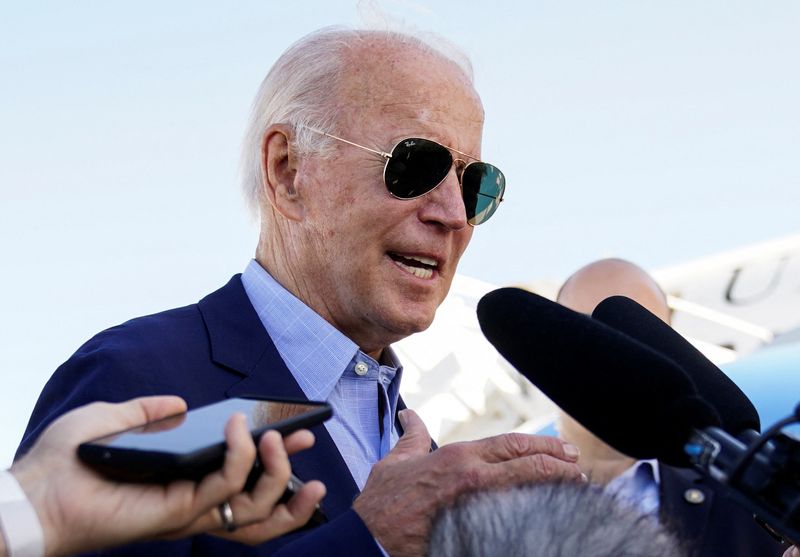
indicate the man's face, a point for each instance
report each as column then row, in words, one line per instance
column 375, row 266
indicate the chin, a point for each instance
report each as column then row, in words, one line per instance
column 405, row 315
column 418, row 325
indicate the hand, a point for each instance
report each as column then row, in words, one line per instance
column 413, row 483
column 275, row 519
column 792, row 552
column 79, row 510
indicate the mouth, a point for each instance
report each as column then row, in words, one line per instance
column 418, row 265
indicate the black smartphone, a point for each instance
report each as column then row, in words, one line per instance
column 192, row 444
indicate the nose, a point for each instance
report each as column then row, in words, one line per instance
column 445, row 204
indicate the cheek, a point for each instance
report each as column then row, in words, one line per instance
column 462, row 242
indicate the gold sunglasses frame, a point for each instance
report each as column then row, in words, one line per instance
column 463, row 166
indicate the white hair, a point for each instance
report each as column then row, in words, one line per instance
column 302, row 87
column 548, row 520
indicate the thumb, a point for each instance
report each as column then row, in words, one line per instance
column 415, row 441
column 103, row 418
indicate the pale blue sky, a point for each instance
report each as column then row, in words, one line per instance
column 656, row 131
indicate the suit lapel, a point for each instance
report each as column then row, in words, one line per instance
column 240, row 343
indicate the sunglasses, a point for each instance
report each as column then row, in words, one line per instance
column 416, row 166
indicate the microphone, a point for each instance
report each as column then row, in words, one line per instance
column 623, row 391
column 762, row 473
column 734, row 408
column 639, row 400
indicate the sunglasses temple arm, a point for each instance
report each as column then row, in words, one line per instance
column 375, row 151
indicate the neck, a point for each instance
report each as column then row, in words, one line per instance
column 273, row 259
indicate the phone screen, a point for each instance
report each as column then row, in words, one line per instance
column 193, row 430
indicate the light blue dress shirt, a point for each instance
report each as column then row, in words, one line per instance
column 329, row 366
column 638, row 486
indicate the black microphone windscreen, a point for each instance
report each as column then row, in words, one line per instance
column 626, row 393
column 735, row 410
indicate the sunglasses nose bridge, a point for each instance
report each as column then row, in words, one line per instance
column 459, row 165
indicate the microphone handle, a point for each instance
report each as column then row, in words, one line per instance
column 766, row 484
column 717, row 452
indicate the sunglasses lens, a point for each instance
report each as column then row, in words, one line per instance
column 416, row 167
column 483, row 186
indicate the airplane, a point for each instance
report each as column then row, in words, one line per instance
column 740, row 308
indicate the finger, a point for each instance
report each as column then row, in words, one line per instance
column 415, row 441
column 301, row 506
column 300, row 440
column 101, row 418
column 531, row 469
column 240, row 454
column 199, row 503
column 156, row 407
column 283, row 518
column 259, row 503
column 275, row 475
column 225, row 483
column 517, row 445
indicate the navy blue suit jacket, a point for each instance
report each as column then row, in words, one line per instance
column 711, row 525
column 206, row 352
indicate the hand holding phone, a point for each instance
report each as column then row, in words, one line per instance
column 192, row 444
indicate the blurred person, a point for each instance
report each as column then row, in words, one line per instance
column 684, row 500
column 51, row 504
column 362, row 158
column 548, row 520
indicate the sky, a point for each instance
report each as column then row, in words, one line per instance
column 656, row 131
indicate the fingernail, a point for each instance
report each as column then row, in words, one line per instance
column 571, row 451
column 402, row 416
column 584, row 478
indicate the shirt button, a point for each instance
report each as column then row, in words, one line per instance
column 361, row 369
column 694, row 496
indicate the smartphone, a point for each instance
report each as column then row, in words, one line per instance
column 192, row 444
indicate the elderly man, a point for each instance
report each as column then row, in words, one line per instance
column 709, row 522
column 363, row 158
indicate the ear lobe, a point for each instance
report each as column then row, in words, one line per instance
column 278, row 167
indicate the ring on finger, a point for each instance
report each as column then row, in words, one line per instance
column 226, row 516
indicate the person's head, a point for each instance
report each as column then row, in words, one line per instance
column 548, row 520
column 593, row 283
column 582, row 292
column 373, row 265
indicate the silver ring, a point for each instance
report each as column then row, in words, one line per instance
column 226, row 515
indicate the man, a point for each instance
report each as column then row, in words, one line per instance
column 548, row 520
column 362, row 157
column 50, row 504
column 684, row 500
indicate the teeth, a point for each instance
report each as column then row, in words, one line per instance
column 425, row 260
column 420, row 272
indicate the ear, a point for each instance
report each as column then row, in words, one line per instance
column 279, row 169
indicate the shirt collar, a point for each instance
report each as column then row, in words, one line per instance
column 315, row 352
column 630, row 472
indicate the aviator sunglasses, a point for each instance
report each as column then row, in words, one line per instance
column 416, row 166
